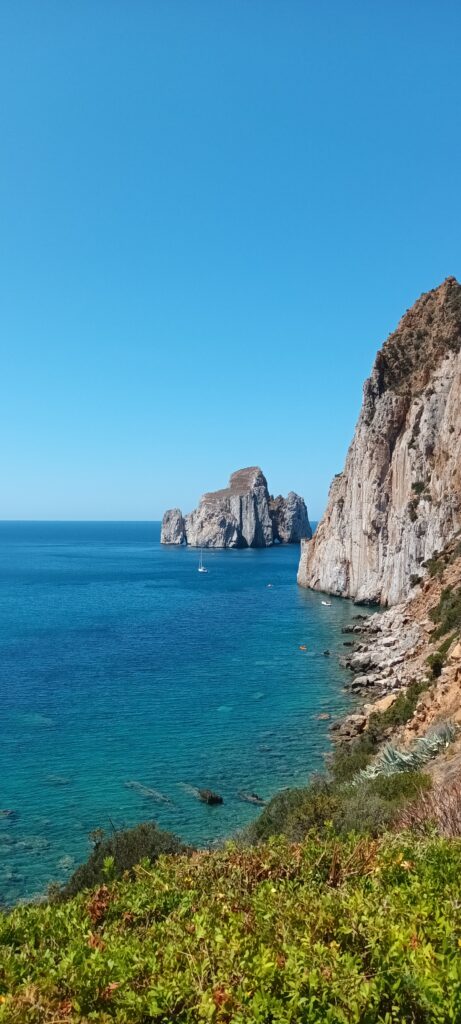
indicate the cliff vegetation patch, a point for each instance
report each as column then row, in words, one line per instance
column 447, row 614
column 327, row 931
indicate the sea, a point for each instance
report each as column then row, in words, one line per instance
column 129, row 679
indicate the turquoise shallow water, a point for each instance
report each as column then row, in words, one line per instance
column 120, row 663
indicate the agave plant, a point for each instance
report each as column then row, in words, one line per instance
column 390, row 760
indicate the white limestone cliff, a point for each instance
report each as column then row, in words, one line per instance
column 173, row 527
column 399, row 497
column 241, row 515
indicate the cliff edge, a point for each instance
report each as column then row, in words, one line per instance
column 398, row 499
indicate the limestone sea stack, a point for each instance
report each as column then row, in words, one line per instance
column 239, row 516
column 398, row 499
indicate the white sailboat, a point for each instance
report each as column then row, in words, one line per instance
column 201, row 567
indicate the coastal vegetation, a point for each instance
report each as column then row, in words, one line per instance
column 440, row 560
column 436, row 660
column 320, row 911
column 400, row 712
column 438, row 809
column 447, row 614
column 328, row 930
column 339, row 807
column 391, row 760
column 340, row 903
column 122, row 850
column 351, row 758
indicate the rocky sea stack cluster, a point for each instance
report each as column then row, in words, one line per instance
column 241, row 515
column 398, row 499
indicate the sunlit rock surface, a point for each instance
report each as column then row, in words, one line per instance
column 239, row 516
column 398, row 498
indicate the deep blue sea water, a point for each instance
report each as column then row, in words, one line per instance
column 120, row 663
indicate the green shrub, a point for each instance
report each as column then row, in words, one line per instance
column 348, row 759
column 400, row 712
column 327, row 805
column 413, row 509
column 399, row 788
column 434, row 565
column 418, row 486
column 324, row 932
column 437, row 660
column 440, row 560
column 125, row 849
column 447, row 614
column 294, row 812
column 373, row 806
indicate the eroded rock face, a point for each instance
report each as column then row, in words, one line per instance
column 241, row 515
column 173, row 527
column 399, row 496
column 289, row 518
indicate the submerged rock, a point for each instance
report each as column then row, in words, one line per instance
column 57, row 780
column 252, row 798
column 147, row 792
column 66, row 863
column 239, row 516
column 209, row 797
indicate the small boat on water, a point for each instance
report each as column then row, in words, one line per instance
column 201, row 567
column 327, row 604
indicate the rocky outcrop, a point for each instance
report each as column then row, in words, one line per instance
column 235, row 517
column 239, row 516
column 173, row 527
column 289, row 517
column 399, row 496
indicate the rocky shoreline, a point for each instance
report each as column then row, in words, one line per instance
column 391, row 533
column 383, row 646
column 396, row 648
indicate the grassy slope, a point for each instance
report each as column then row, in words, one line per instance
column 330, row 930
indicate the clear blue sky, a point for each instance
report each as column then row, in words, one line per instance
column 212, row 213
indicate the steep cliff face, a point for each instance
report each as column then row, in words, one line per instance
column 173, row 527
column 241, row 515
column 290, row 521
column 399, row 496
